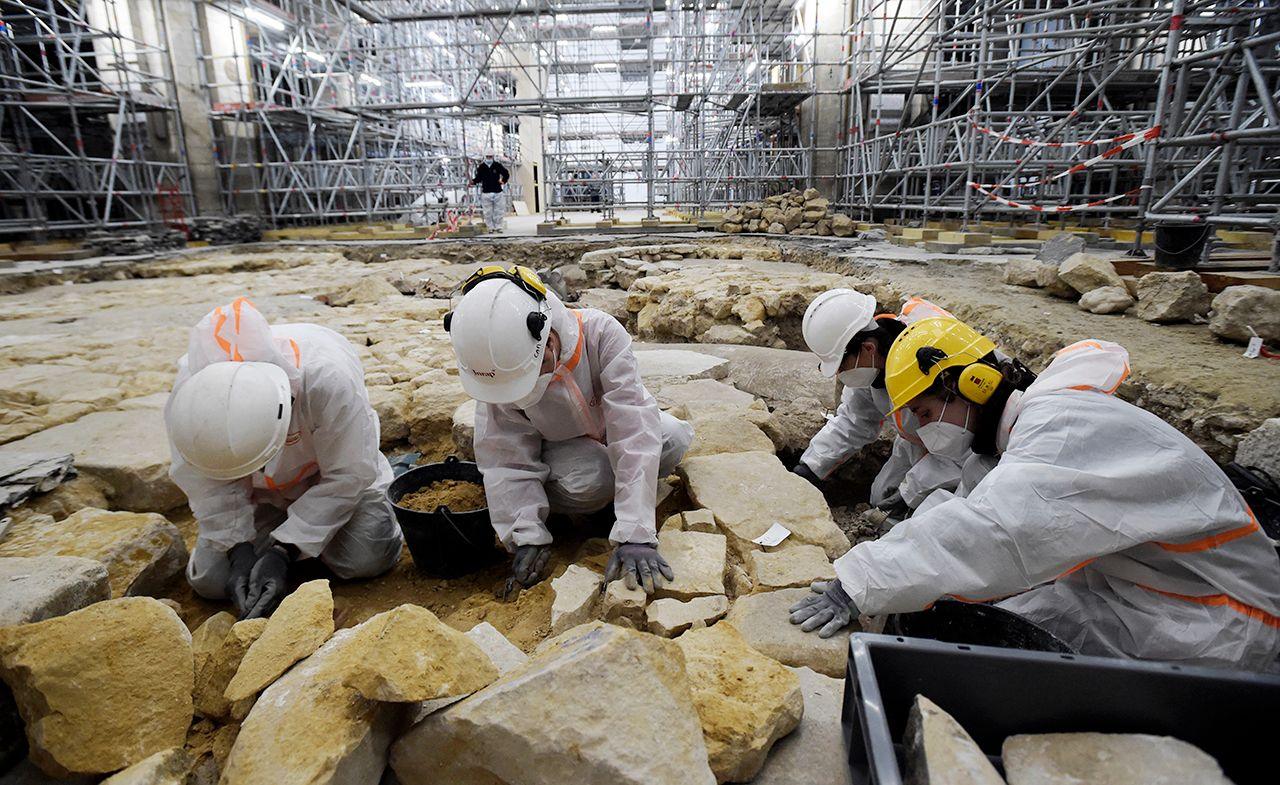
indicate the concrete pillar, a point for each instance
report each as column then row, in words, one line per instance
column 184, row 21
column 823, row 115
column 529, row 172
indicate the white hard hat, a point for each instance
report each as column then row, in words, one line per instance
column 499, row 333
column 488, row 152
column 831, row 321
column 230, row 418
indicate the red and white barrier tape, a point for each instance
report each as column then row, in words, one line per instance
column 1061, row 208
column 1121, row 139
column 1133, row 141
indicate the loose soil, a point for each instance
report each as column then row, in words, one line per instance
column 457, row 495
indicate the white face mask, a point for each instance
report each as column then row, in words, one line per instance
column 535, row 395
column 948, row 439
column 858, row 377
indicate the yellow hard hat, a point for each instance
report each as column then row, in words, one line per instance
column 930, row 346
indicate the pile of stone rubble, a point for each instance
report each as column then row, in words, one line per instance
column 219, row 230
column 794, row 212
column 1063, row 269
column 120, row 243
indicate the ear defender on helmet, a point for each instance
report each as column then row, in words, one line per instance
column 978, row 382
column 448, row 321
column 535, row 322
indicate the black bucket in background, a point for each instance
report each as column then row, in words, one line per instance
column 977, row 625
column 1180, row 245
column 443, row 543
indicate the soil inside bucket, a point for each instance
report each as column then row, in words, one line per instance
column 457, row 495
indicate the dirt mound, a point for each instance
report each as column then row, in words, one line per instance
column 457, row 495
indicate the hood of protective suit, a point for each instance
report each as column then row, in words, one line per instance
column 238, row 332
column 1096, row 365
column 565, row 326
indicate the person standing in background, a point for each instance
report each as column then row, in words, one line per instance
column 492, row 178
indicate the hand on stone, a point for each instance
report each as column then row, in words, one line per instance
column 267, row 582
column 242, row 559
column 530, row 564
column 804, row 471
column 828, row 607
column 639, row 564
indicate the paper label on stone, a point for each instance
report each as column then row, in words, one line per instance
column 1254, row 347
column 775, row 535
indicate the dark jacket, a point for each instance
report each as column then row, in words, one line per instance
column 491, row 177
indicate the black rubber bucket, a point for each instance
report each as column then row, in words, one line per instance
column 1179, row 245
column 950, row 621
column 444, row 543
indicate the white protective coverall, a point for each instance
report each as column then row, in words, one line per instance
column 595, row 435
column 910, row 469
column 325, row 491
column 1114, row 531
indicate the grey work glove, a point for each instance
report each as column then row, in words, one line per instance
column 640, row 564
column 804, row 471
column 530, row 564
column 242, row 559
column 267, row 582
column 828, row 607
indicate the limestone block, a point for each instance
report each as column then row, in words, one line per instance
column 789, row 566
column 168, row 767
column 738, row 581
column 679, row 365
column 698, row 561
column 310, row 727
column 102, row 688
column 749, row 492
column 1107, row 759
column 940, row 752
column 464, row 430
column 1107, row 299
column 126, row 450
column 369, row 289
column 1022, row 272
column 216, row 669
column 1237, row 308
column 1059, row 247
column 411, row 656
column 792, row 424
column 436, row 396
column 764, row 620
column 745, row 700
column 776, row 227
column 1086, row 272
column 611, row 301
column 504, row 654
column 669, row 617
column 295, row 630
column 700, row 521
column 814, row 754
column 1171, row 297
column 1047, row 278
column 577, row 590
column 141, row 551
column 842, row 225
column 206, row 638
column 391, row 404
column 602, row 705
column 36, row 588
column 1261, row 447
column 717, row 434
column 622, row 603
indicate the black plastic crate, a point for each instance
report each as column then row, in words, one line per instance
column 996, row 693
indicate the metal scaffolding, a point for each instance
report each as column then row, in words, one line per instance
column 1149, row 110
column 88, row 132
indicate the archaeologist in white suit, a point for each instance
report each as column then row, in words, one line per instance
column 275, row 444
column 1100, row 522
column 563, row 422
column 851, row 340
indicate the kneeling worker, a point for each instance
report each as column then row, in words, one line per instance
column 1100, row 522
column 276, row 447
column 563, row 423
column 841, row 327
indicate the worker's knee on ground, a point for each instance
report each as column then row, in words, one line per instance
column 369, row 544
column 207, row 572
column 580, row 478
column 677, row 435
